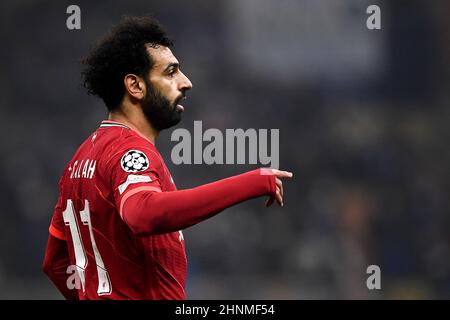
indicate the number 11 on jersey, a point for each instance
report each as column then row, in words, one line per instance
column 81, row 261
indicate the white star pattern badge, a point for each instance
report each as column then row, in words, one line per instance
column 134, row 161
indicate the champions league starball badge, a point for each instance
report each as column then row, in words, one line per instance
column 134, row 161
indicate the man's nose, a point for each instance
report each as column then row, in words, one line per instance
column 185, row 83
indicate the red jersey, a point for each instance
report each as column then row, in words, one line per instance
column 112, row 262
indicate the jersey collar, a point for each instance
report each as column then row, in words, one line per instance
column 110, row 123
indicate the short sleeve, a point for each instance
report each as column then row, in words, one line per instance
column 56, row 228
column 132, row 170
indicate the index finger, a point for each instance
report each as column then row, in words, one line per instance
column 282, row 174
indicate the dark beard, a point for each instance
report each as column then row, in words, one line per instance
column 159, row 111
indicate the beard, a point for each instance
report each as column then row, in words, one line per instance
column 159, row 111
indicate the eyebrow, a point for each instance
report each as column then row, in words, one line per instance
column 173, row 64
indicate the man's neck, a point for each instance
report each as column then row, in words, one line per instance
column 137, row 122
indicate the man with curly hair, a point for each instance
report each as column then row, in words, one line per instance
column 116, row 229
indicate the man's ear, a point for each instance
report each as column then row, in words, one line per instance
column 134, row 86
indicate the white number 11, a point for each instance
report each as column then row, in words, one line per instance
column 104, row 283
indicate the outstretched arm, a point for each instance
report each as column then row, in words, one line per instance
column 150, row 211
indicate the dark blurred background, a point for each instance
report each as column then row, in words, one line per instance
column 364, row 125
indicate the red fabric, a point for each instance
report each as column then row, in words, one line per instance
column 56, row 262
column 143, row 255
column 149, row 212
column 56, row 233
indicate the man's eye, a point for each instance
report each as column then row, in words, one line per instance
column 171, row 73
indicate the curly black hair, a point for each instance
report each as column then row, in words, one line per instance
column 120, row 53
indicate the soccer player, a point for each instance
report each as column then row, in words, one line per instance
column 118, row 220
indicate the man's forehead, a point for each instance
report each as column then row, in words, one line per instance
column 162, row 56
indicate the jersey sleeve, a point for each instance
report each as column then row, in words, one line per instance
column 162, row 212
column 134, row 169
column 56, row 228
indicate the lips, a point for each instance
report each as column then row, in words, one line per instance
column 178, row 106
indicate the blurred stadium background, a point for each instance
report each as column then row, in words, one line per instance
column 364, row 125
